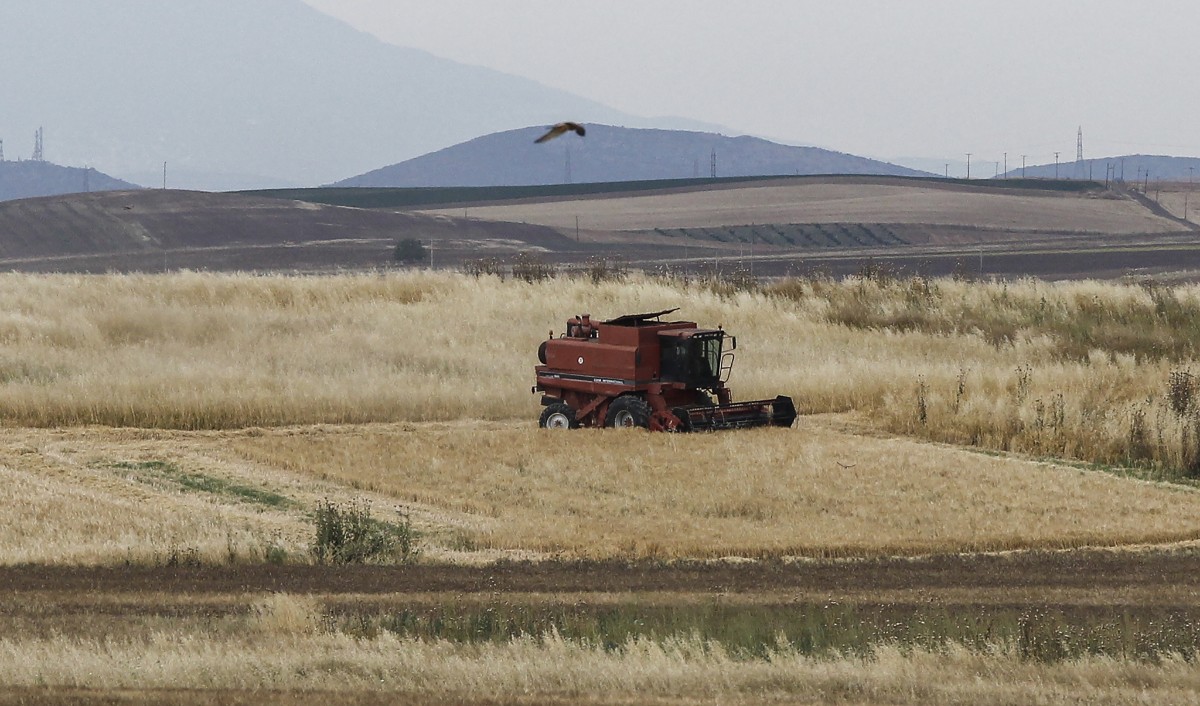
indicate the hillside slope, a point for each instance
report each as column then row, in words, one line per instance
column 27, row 179
column 611, row 154
column 157, row 229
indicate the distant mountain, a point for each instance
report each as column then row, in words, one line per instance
column 608, row 153
column 245, row 93
column 1129, row 167
column 21, row 180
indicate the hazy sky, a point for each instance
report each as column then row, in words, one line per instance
column 896, row 78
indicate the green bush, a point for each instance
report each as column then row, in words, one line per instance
column 349, row 535
column 411, row 251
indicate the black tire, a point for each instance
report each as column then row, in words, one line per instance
column 628, row 411
column 559, row 415
column 685, row 419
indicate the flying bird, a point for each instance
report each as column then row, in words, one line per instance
column 560, row 129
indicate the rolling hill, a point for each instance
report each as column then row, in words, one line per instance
column 1130, row 168
column 611, row 154
column 27, row 179
column 156, row 230
column 771, row 226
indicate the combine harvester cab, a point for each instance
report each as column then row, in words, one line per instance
column 638, row 370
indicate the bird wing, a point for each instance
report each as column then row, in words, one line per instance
column 554, row 132
column 560, row 129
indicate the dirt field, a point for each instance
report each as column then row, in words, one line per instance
column 1134, row 577
column 784, row 226
column 845, row 201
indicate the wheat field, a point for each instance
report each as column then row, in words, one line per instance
column 1075, row 370
column 506, row 490
column 342, row 386
column 198, row 419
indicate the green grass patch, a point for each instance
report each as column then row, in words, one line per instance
column 158, row 472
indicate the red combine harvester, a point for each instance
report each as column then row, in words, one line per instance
column 638, row 370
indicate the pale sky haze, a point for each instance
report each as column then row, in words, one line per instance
column 879, row 78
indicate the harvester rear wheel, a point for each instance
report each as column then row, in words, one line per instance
column 628, row 411
column 559, row 415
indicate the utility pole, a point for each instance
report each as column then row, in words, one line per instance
column 1055, row 165
column 1186, row 194
column 713, row 163
column 1005, row 165
column 947, row 170
column 1023, row 165
column 968, row 166
column 164, row 176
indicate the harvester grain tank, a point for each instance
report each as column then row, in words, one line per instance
column 637, row 370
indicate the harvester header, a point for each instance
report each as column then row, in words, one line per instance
column 638, row 370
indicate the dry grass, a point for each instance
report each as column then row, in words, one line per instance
column 1085, row 370
column 282, row 648
column 216, row 351
column 838, row 203
column 476, row 492
column 807, row 491
column 1067, row 370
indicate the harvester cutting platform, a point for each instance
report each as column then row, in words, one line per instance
column 638, row 370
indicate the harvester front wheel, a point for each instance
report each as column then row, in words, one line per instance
column 559, row 415
column 628, row 411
